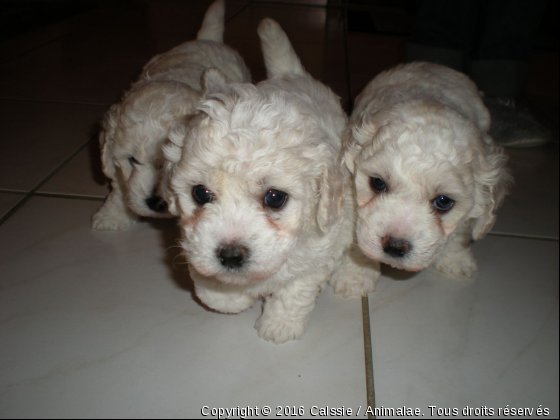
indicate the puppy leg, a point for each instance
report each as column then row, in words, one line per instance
column 114, row 214
column 356, row 275
column 223, row 300
column 457, row 259
column 286, row 312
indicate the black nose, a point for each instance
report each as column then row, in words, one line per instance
column 233, row 255
column 396, row 248
column 156, row 203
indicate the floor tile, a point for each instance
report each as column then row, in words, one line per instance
column 36, row 137
column 490, row 342
column 104, row 325
column 7, row 201
column 7, row 57
column 370, row 54
column 543, row 74
column 99, row 80
column 152, row 28
column 26, row 41
column 141, row 43
column 325, row 62
column 296, row 2
column 315, row 33
column 81, row 176
column 308, row 24
column 98, row 63
column 545, row 109
column 532, row 208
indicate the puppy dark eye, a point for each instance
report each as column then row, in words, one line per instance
column 202, row 195
column 443, row 203
column 133, row 161
column 377, row 184
column 275, row 199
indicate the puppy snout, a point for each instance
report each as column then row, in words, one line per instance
column 396, row 248
column 156, row 204
column 232, row 255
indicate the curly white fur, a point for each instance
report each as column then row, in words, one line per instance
column 137, row 127
column 282, row 135
column 422, row 129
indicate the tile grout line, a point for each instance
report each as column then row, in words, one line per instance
column 370, row 388
column 31, row 193
column 41, row 46
column 16, row 192
column 368, row 356
column 249, row 3
column 523, row 236
column 69, row 196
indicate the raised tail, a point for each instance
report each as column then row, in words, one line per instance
column 213, row 24
column 279, row 55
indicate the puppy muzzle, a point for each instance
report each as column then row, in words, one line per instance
column 156, row 204
column 396, row 248
column 232, row 256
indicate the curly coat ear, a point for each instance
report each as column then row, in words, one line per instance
column 332, row 191
column 351, row 148
column 493, row 181
column 358, row 134
column 172, row 151
column 106, row 138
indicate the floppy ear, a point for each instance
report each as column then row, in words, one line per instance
column 493, row 181
column 106, row 139
column 213, row 81
column 173, row 148
column 351, row 148
column 332, row 189
column 356, row 135
column 172, row 151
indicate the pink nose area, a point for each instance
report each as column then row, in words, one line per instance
column 396, row 248
column 232, row 255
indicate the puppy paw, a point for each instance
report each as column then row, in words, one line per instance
column 356, row 276
column 464, row 267
column 226, row 303
column 352, row 287
column 105, row 221
column 279, row 330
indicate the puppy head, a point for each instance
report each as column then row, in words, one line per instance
column 421, row 170
column 134, row 132
column 255, row 179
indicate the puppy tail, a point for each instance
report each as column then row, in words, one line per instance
column 279, row 55
column 213, row 24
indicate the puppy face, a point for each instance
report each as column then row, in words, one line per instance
column 250, row 185
column 134, row 133
column 420, row 171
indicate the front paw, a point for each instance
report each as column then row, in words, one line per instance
column 226, row 303
column 356, row 277
column 279, row 330
column 352, row 287
column 112, row 220
column 463, row 266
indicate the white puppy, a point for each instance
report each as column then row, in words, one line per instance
column 135, row 129
column 428, row 177
column 257, row 178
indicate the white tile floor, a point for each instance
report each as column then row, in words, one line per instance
column 105, row 325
